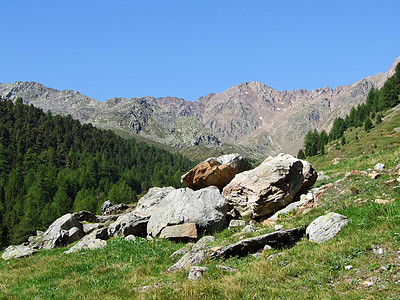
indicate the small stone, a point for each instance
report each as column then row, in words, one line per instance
column 349, row 267
column 383, row 201
column 379, row 167
column 267, row 247
column 196, row 273
column 237, row 223
column 130, row 237
column 278, row 227
column 374, row 175
column 248, row 229
column 325, row 227
column 225, row 268
column 272, row 256
column 269, row 223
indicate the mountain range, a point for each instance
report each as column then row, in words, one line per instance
column 251, row 118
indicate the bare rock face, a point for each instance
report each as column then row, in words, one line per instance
column 127, row 224
column 180, row 232
column 65, row 230
column 148, row 203
column 206, row 208
column 269, row 187
column 215, row 171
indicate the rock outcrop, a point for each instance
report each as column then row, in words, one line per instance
column 127, row 224
column 65, row 230
column 18, row 252
column 269, row 187
column 215, row 171
column 206, row 208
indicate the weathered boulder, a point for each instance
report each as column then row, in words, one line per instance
column 85, row 215
column 215, row 171
column 128, row 224
column 107, row 204
column 310, row 175
column 116, row 209
column 36, row 240
column 325, row 227
column 18, row 252
column 277, row 239
column 87, row 244
column 148, row 203
column 206, row 208
column 181, row 232
column 270, row 186
column 65, row 230
column 88, row 228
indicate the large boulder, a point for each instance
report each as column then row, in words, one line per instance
column 65, row 230
column 148, row 203
column 128, row 224
column 181, row 232
column 215, row 171
column 325, row 227
column 269, row 187
column 206, row 208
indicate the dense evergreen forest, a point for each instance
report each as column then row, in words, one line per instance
column 363, row 115
column 52, row 165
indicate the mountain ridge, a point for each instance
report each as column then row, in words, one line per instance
column 251, row 115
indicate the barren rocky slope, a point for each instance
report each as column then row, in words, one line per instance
column 252, row 116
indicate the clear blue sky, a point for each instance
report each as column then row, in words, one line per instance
column 190, row 48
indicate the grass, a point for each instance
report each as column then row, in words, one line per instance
column 361, row 262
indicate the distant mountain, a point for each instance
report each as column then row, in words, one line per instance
column 251, row 117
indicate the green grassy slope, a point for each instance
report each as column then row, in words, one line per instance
column 361, row 262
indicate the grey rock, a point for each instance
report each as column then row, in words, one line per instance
column 130, row 237
column 85, row 216
column 267, row 188
column 206, row 208
column 196, row 272
column 128, row 224
column 277, row 239
column 75, row 234
column 100, row 233
column 116, row 209
column 248, row 228
column 183, row 250
column 18, row 252
column 272, row 256
column 288, row 209
column 148, row 203
column 58, row 233
column 36, row 241
column 310, row 175
column 107, row 219
column 107, row 204
column 88, row 228
column 204, row 242
column 325, row 227
column 236, row 223
column 89, row 244
column 379, row 167
column 193, row 257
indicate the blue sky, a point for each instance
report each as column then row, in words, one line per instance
column 190, row 48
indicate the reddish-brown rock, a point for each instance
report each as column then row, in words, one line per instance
column 215, row 171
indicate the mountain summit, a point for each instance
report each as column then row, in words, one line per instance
column 251, row 117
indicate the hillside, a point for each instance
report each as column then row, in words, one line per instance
column 51, row 165
column 361, row 261
column 249, row 118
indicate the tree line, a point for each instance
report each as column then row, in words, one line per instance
column 363, row 115
column 52, row 165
